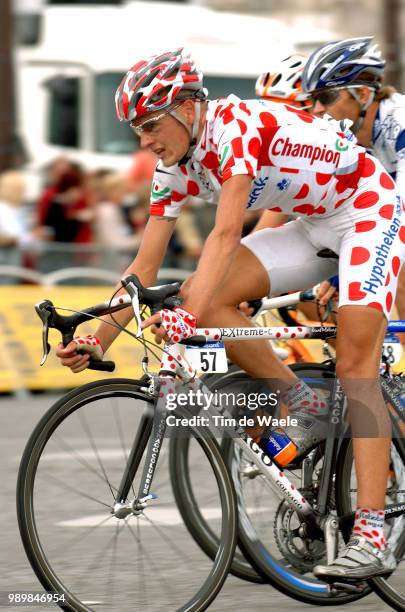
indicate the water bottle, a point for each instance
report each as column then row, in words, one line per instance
column 279, row 447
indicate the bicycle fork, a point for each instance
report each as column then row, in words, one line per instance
column 152, row 427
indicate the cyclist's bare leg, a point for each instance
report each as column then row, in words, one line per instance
column 359, row 342
column 247, row 279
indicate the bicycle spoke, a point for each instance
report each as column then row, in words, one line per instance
column 120, row 430
column 147, row 556
column 180, row 552
column 83, row 461
column 70, row 544
column 91, row 440
column 98, row 559
column 110, row 586
column 64, row 486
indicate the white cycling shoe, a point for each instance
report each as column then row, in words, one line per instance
column 359, row 560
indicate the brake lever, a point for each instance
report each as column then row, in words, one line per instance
column 42, row 310
column 134, row 295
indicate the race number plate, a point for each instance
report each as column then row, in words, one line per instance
column 392, row 348
column 208, row 358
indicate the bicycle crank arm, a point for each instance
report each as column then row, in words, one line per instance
column 338, row 587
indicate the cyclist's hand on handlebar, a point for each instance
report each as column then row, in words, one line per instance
column 175, row 325
column 246, row 309
column 250, row 308
column 90, row 347
column 326, row 292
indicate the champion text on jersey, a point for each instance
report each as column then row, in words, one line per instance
column 285, row 148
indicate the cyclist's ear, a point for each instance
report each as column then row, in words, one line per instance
column 364, row 94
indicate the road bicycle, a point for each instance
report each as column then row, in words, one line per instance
column 102, row 488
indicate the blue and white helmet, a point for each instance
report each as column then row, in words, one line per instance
column 344, row 63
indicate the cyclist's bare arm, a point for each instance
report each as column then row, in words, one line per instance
column 219, row 248
column 145, row 265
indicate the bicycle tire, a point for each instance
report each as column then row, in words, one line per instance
column 380, row 586
column 56, row 416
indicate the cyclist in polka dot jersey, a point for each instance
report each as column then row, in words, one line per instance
column 319, row 171
column 255, row 154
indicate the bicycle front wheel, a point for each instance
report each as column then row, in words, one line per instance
column 67, row 486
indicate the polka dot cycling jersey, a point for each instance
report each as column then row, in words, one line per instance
column 299, row 164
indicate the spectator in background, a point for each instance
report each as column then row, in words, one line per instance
column 60, row 172
column 14, row 229
column 67, row 220
column 54, row 171
column 110, row 227
column 61, row 217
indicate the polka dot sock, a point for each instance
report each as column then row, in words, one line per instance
column 370, row 524
column 301, row 397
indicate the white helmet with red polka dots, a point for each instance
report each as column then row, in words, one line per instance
column 160, row 82
column 157, row 82
column 284, row 80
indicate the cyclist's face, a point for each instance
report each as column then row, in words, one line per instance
column 162, row 134
column 340, row 106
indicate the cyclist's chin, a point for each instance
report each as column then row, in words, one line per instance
column 170, row 158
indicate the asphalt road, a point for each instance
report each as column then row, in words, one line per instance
column 67, row 523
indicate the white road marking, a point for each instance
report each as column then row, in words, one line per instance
column 160, row 516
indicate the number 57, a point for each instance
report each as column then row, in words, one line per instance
column 205, row 357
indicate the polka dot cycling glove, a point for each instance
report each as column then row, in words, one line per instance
column 90, row 344
column 178, row 323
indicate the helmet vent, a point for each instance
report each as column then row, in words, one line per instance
column 149, row 78
column 162, row 93
column 172, row 72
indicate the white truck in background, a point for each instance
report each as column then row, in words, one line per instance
column 66, row 82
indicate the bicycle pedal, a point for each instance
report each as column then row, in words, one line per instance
column 347, row 587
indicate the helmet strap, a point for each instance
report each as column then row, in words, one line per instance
column 193, row 131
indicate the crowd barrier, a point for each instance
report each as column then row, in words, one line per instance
column 45, row 257
column 20, row 327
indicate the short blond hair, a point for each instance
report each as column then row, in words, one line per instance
column 12, row 187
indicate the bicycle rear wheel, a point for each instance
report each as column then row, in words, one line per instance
column 67, row 485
